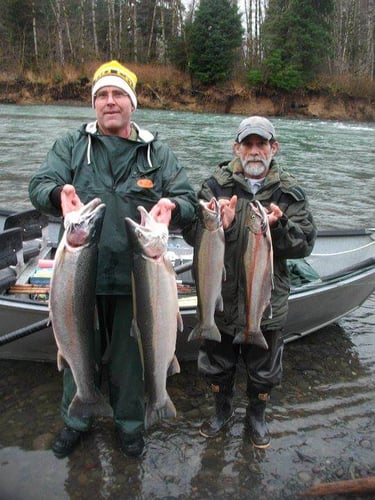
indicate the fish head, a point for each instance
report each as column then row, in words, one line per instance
column 210, row 214
column 256, row 217
column 150, row 236
column 83, row 226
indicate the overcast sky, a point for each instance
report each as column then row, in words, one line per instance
column 187, row 4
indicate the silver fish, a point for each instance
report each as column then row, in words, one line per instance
column 209, row 270
column 156, row 313
column 72, row 306
column 258, row 271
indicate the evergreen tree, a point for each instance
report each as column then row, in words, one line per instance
column 297, row 38
column 213, row 36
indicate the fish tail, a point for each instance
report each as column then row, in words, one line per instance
column 174, row 367
column 255, row 338
column 154, row 414
column 96, row 408
column 200, row 332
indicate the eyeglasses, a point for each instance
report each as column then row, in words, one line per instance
column 117, row 95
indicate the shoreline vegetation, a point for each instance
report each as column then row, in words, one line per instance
column 161, row 87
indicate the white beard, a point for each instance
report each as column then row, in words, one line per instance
column 256, row 167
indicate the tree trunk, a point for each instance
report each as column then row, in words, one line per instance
column 110, row 28
column 135, row 32
column 67, row 30
column 94, row 30
column 151, row 31
column 35, row 37
column 56, row 7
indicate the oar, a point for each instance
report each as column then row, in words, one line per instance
column 23, row 332
column 183, row 267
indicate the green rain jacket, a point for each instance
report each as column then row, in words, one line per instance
column 292, row 238
column 124, row 174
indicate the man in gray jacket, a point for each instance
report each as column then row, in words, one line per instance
column 125, row 166
column 253, row 174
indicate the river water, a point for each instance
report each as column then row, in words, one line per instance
column 322, row 415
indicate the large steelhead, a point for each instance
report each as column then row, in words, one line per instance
column 72, row 306
column 156, row 313
column 258, row 274
column 209, row 270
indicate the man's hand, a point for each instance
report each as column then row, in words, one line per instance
column 274, row 214
column 162, row 211
column 69, row 199
column 228, row 211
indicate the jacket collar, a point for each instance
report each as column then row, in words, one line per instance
column 143, row 134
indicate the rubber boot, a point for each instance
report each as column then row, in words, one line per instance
column 66, row 441
column 256, row 412
column 131, row 444
column 223, row 412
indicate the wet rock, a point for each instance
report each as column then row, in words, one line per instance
column 340, row 472
column 365, row 443
column 304, row 476
column 43, row 441
column 82, row 479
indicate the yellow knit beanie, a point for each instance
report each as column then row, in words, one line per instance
column 114, row 74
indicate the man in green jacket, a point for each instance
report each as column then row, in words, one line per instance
column 125, row 166
column 253, row 174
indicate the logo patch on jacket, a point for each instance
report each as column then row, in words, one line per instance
column 145, row 183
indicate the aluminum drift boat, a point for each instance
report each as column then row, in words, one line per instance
column 334, row 281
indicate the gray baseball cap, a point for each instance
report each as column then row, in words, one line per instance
column 255, row 125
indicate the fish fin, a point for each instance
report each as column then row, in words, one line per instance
column 134, row 296
column 255, row 338
column 61, row 362
column 224, row 275
column 199, row 332
column 97, row 408
column 174, row 367
column 154, row 414
column 135, row 332
column 268, row 312
column 180, row 323
column 168, row 264
column 220, row 303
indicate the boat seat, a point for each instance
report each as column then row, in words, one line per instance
column 34, row 227
column 11, row 254
column 8, row 277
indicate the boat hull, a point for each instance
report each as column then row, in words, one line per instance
column 306, row 315
column 344, row 260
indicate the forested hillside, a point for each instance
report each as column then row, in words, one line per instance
column 209, row 53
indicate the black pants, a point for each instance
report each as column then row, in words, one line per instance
column 217, row 362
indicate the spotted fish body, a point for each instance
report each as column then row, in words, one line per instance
column 156, row 312
column 72, row 306
column 209, row 271
column 258, row 275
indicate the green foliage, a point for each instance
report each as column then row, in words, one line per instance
column 177, row 54
column 283, row 76
column 297, row 41
column 213, row 36
column 255, row 77
column 179, row 49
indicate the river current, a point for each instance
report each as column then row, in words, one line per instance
column 321, row 417
column 332, row 160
